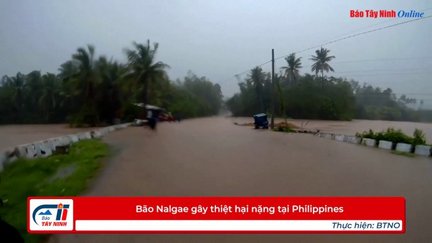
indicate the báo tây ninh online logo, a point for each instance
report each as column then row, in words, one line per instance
column 385, row 13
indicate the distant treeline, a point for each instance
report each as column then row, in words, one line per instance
column 319, row 97
column 95, row 91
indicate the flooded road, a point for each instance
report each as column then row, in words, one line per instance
column 354, row 126
column 12, row 135
column 213, row 157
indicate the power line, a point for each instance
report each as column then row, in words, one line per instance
column 239, row 74
column 385, row 74
column 358, row 34
column 344, row 38
column 385, row 70
column 380, row 23
column 385, row 59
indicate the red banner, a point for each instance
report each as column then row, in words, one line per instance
column 216, row 214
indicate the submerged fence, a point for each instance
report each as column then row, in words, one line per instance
column 423, row 150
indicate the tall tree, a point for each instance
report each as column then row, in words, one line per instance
column 17, row 85
column 68, row 70
column 143, row 68
column 322, row 60
column 50, row 95
column 12, row 97
column 85, row 82
column 291, row 71
column 90, row 90
column 33, row 89
column 108, row 96
column 257, row 78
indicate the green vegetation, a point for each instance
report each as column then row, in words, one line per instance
column 419, row 138
column 309, row 97
column 396, row 136
column 91, row 90
column 374, row 103
column 283, row 129
column 193, row 97
column 320, row 97
column 57, row 175
column 291, row 71
column 321, row 62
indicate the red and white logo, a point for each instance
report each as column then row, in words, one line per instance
column 51, row 214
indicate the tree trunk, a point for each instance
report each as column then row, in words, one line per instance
column 322, row 78
column 145, row 93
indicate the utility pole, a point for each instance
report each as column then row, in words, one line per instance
column 272, row 93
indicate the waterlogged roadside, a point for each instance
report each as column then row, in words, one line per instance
column 352, row 127
column 12, row 135
column 58, row 175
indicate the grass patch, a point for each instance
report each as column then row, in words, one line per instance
column 395, row 136
column 403, row 154
column 39, row 177
column 283, row 129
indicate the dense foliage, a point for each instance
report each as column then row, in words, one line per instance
column 90, row 90
column 56, row 175
column 319, row 97
column 374, row 103
column 396, row 136
column 192, row 97
column 308, row 97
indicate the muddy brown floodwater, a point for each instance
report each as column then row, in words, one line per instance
column 12, row 135
column 354, row 126
column 213, row 157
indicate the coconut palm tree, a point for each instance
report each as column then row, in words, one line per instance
column 257, row 79
column 68, row 69
column 17, row 87
column 49, row 98
column 109, row 94
column 33, row 88
column 86, row 70
column 321, row 62
column 84, row 85
column 143, row 69
column 291, row 71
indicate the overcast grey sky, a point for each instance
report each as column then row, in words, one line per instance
column 220, row 38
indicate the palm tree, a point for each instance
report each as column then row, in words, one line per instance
column 143, row 69
column 292, row 70
column 86, row 70
column 108, row 96
column 49, row 98
column 33, row 89
column 68, row 69
column 17, row 85
column 257, row 79
column 85, row 82
column 282, row 104
column 321, row 62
